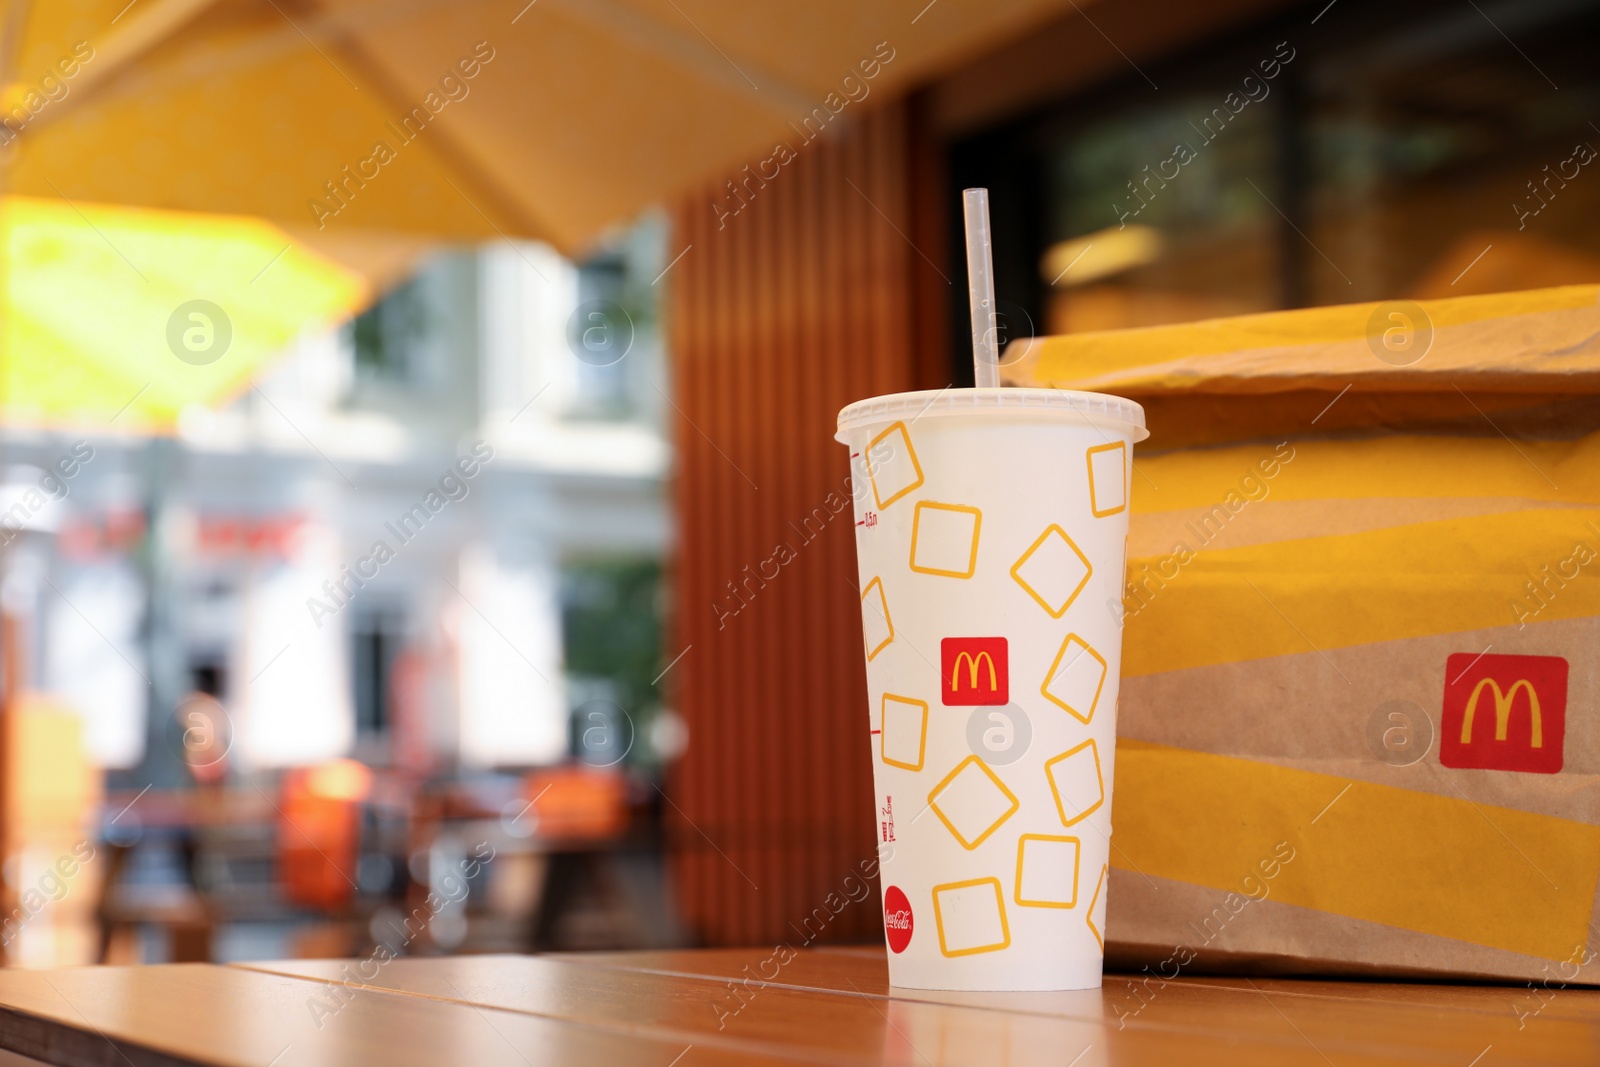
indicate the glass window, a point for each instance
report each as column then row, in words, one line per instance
column 1419, row 151
column 385, row 337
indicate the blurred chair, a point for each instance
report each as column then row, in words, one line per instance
column 175, row 910
column 178, row 908
column 580, row 816
column 319, row 834
column 576, row 804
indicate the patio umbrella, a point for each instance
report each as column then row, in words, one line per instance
column 120, row 317
column 364, row 132
column 457, row 119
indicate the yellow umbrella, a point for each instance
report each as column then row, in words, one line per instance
column 365, row 131
column 453, row 118
column 120, row 317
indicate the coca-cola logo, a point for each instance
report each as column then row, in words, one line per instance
column 897, row 921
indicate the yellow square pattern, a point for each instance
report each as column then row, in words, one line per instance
column 899, row 720
column 1053, row 570
column 971, row 917
column 875, row 622
column 1077, row 797
column 1076, row 678
column 1108, row 478
column 944, row 539
column 972, row 802
column 1097, row 909
column 900, row 473
column 1043, row 883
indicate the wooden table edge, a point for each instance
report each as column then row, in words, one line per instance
column 638, row 1030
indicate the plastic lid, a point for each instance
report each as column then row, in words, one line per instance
column 1095, row 409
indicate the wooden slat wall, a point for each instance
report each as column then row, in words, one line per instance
column 811, row 297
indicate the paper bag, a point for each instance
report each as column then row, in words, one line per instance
column 1358, row 726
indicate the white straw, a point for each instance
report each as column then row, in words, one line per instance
column 980, row 289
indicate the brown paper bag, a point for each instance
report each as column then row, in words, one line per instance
column 1358, row 728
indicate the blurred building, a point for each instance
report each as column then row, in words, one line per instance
column 377, row 550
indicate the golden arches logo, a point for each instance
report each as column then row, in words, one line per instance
column 1503, row 701
column 1541, row 750
column 972, row 671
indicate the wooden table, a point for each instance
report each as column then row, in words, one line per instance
column 683, row 1009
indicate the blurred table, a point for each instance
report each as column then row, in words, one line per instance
column 682, row 1009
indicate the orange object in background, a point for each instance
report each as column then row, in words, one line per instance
column 576, row 802
column 320, row 832
column 51, row 795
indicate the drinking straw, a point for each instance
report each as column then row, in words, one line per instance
column 980, row 289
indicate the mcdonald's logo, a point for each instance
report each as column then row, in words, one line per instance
column 1505, row 713
column 975, row 671
column 1502, row 711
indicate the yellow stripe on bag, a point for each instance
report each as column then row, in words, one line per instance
column 1433, row 864
column 1074, row 357
column 1230, row 605
column 1416, row 467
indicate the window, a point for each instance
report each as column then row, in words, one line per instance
column 1385, row 151
column 376, row 640
column 385, row 338
column 602, row 334
column 612, row 632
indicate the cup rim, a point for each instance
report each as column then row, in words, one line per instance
column 1095, row 409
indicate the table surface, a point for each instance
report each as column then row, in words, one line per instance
column 689, row 1008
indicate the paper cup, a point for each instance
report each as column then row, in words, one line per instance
column 991, row 532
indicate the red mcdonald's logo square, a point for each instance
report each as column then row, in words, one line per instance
column 975, row 671
column 1504, row 713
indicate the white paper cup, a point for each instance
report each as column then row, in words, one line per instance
column 991, row 531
